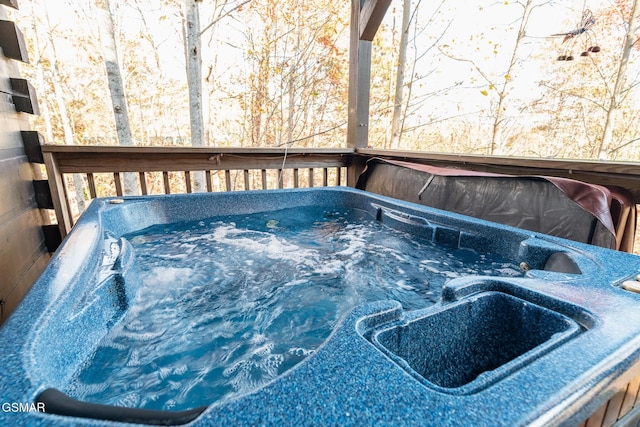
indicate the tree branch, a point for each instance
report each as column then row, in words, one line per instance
column 216, row 20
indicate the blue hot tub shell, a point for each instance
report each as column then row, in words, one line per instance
column 546, row 349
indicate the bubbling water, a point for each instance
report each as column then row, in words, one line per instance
column 228, row 304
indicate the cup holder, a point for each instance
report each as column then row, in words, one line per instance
column 474, row 342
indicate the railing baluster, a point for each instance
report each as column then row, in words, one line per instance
column 264, row 179
column 325, row 177
column 207, row 176
column 280, row 178
column 295, row 178
column 167, row 187
column 246, row 180
column 227, row 178
column 338, row 176
column 187, row 180
column 92, row 186
column 143, row 183
column 116, row 180
column 310, row 177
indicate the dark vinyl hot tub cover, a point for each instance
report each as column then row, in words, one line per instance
column 560, row 207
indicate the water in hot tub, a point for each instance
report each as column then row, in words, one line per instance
column 229, row 303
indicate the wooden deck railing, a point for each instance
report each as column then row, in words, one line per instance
column 166, row 170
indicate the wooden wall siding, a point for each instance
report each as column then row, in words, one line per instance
column 23, row 255
column 621, row 404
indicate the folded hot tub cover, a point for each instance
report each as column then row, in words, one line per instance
column 560, row 207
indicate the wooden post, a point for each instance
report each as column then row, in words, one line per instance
column 366, row 16
column 58, row 194
column 359, row 82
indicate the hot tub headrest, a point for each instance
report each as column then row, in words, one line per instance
column 57, row 402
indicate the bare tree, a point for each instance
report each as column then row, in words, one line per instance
column 502, row 84
column 402, row 59
column 116, row 87
column 619, row 89
column 65, row 120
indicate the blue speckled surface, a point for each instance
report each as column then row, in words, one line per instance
column 353, row 379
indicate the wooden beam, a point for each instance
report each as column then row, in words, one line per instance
column 359, row 83
column 371, row 15
column 57, row 187
column 177, row 151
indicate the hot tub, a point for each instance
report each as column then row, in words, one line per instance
column 462, row 322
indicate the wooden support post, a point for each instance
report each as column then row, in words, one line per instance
column 143, row 183
column 371, row 15
column 187, row 181
column 58, row 194
column 359, row 83
column 207, row 175
column 247, row 183
column 366, row 16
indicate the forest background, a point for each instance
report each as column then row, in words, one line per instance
column 466, row 77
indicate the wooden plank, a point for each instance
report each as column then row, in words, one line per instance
column 325, row 177
column 264, row 179
column 22, row 244
column 16, row 189
column 227, row 179
column 118, row 183
column 57, row 188
column 595, row 420
column 371, row 16
column 102, row 162
column 246, row 180
column 296, row 178
column 613, row 408
column 11, row 299
column 143, row 183
column 187, row 181
column 630, row 396
column 118, row 150
column 92, row 186
column 207, row 177
column 359, row 93
column 165, row 180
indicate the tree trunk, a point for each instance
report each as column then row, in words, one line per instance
column 497, row 133
column 69, row 139
column 116, row 87
column 616, row 96
column 192, row 47
column 396, row 128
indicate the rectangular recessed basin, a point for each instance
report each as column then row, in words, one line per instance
column 476, row 341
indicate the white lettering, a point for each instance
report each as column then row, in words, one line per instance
column 23, row 407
